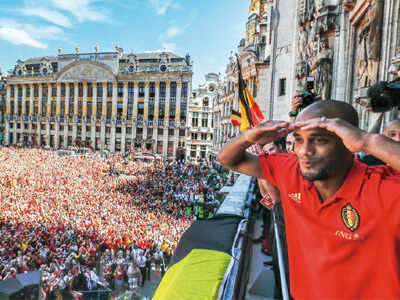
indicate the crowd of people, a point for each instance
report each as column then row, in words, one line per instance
column 64, row 214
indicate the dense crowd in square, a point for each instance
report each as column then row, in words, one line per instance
column 64, row 214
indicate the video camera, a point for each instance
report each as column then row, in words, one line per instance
column 384, row 96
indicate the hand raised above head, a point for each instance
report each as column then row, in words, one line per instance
column 268, row 132
column 353, row 138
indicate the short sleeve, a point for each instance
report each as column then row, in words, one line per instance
column 276, row 166
column 387, row 183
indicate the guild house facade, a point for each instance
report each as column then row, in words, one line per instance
column 107, row 101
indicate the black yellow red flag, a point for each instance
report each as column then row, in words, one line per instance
column 251, row 114
column 236, row 118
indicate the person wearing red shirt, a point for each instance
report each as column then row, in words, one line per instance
column 342, row 217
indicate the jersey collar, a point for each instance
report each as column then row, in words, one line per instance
column 351, row 185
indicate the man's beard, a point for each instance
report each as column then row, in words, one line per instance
column 322, row 174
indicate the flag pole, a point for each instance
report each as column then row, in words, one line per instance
column 282, row 272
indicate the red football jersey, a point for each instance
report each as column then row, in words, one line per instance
column 347, row 247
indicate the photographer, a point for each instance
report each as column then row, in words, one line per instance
column 301, row 100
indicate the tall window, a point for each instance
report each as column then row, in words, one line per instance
column 151, row 111
column 282, row 86
column 163, row 90
column 131, row 91
column 99, row 107
column 152, row 89
column 120, row 90
column 204, row 122
column 173, row 89
column 99, row 90
column 109, row 89
column 195, row 119
column 90, row 90
column 35, row 90
column 141, row 89
column 184, row 91
column 63, row 89
column 54, row 90
column 80, row 89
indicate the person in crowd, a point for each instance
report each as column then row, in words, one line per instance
column 65, row 215
column 392, row 131
column 340, row 214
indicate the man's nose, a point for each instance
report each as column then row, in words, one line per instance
column 305, row 148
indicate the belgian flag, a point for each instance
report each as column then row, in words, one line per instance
column 251, row 114
column 201, row 260
column 236, row 118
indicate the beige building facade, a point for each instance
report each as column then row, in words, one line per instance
column 199, row 145
column 112, row 101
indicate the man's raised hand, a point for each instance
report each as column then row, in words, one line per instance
column 353, row 138
column 267, row 132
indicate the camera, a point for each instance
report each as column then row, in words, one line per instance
column 307, row 96
column 383, row 96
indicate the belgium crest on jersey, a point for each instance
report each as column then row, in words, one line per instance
column 350, row 217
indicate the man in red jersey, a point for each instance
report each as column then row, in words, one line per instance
column 342, row 217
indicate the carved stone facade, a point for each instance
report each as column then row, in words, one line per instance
column 336, row 48
column 345, row 46
column 317, row 22
column 371, row 52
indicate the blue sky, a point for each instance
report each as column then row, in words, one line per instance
column 206, row 29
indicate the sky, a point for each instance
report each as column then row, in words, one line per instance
column 206, row 29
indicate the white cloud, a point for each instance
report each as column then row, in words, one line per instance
column 45, row 32
column 82, row 10
column 19, row 37
column 173, row 31
column 161, row 6
column 50, row 15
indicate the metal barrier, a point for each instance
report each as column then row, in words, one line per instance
column 237, row 202
column 89, row 295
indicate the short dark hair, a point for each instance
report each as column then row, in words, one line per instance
column 331, row 109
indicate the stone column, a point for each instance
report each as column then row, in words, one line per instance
column 146, row 109
column 23, row 112
column 31, row 113
column 124, row 112
column 187, row 110
column 16, row 113
column 84, row 113
column 114, row 116
column 66, row 114
column 340, row 59
column 177, row 115
column 156, row 111
column 93, row 115
column 135, row 108
column 49, row 98
column 103, row 116
column 75, row 121
column 48, row 113
column 39, row 116
column 57, row 123
column 166, row 118
column 8, row 113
